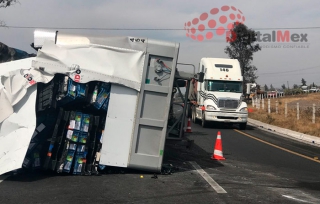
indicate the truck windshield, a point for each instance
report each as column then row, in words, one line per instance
column 224, row 86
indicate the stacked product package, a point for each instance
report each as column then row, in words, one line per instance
column 70, row 122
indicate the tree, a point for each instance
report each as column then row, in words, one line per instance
column 283, row 86
column 8, row 54
column 5, row 4
column 266, row 88
column 271, row 88
column 303, row 82
column 241, row 47
column 295, row 86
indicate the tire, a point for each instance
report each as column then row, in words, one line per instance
column 194, row 119
column 189, row 110
column 243, row 126
column 204, row 123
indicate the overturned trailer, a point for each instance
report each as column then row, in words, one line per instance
column 84, row 103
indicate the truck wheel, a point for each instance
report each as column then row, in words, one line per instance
column 204, row 123
column 189, row 110
column 193, row 116
column 243, row 126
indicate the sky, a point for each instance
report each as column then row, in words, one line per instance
column 278, row 63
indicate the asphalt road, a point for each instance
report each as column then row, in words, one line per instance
column 257, row 171
column 254, row 172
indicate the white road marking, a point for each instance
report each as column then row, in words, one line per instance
column 290, row 197
column 2, row 178
column 208, row 178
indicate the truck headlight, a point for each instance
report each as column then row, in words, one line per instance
column 245, row 109
column 210, row 107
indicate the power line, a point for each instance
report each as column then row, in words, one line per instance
column 141, row 29
column 292, row 28
column 270, row 73
column 292, row 74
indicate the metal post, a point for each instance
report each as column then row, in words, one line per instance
column 174, row 124
column 314, row 113
column 179, row 90
column 252, row 99
column 286, row 109
column 277, row 107
column 269, row 111
column 298, row 111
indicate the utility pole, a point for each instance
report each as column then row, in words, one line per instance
column 288, row 84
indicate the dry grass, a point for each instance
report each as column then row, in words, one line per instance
column 303, row 125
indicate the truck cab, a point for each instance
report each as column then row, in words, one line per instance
column 220, row 95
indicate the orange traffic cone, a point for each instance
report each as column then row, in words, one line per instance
column 189, row 126
column 218, row 154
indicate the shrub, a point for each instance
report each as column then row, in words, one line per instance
column 270, row 119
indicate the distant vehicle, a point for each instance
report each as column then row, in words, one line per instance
column 314, row 89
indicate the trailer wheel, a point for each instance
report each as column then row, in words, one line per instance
column 204, row 123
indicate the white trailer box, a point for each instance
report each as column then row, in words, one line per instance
column 141, row 71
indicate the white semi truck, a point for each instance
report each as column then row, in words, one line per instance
column 219, row 98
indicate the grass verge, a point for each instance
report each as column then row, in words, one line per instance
column 303, row 124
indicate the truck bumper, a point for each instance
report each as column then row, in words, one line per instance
column 227, row 117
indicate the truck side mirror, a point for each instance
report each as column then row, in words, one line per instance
column 200, row 77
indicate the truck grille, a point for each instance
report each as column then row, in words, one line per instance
column 228, row 103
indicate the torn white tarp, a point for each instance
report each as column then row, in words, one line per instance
column 16, row 132
column 16, row 77
column 17, row 111
column 88, row 62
